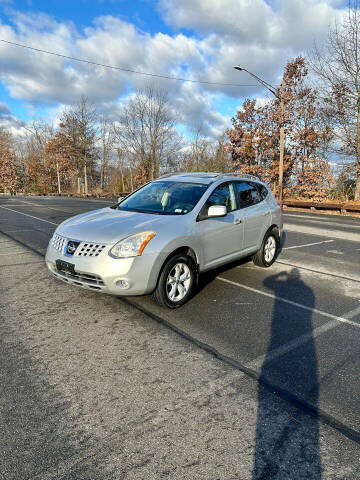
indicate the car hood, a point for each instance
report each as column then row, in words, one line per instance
column 109, row 225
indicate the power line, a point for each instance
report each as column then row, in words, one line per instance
column 129, row 70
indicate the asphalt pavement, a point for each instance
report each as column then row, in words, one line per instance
column 293, row 329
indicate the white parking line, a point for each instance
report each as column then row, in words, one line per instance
column 304, row 216
column 307, row 245
column 352, row 313
column 27, row 215
column 341, row 234
column 29, row 204
column 20, row 231
column 287, row 347
column 290, row 302
column 324, row 220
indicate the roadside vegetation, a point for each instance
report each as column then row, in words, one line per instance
column 90, row 151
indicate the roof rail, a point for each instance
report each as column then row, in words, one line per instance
column 242, row 175
column 166, row 175
column 213, row 175
column 191, row 174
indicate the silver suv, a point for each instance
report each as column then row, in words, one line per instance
column 158, row 239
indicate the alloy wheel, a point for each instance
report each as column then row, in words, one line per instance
column 270, row 249
column 178, row 282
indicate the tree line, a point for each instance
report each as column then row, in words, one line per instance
column 86, row 152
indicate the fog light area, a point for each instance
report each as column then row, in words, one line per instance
column 122, row 284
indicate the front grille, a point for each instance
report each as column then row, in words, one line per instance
column 58, row 242
column 82, row 277
column 83, row 249
column 89, row 250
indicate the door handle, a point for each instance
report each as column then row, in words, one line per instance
column 266, row 214
column 237, row 221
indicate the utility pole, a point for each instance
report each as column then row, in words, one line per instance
column 58, row 177
column 281, row 98
column 85, row 179
column 282, row 139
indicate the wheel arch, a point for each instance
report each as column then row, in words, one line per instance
column 187, row 251
column 183, row 249
column 275, row 228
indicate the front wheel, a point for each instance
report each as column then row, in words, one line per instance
column 176, row 282
column 266, row 256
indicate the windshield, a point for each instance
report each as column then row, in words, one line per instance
column 164, row 198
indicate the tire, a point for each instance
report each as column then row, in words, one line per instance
column 171, row 292
column 266, row 256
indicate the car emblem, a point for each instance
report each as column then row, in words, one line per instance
column 71, row 247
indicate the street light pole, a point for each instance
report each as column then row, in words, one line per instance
column 282, row 140
column 58, row 177
column 282, row 119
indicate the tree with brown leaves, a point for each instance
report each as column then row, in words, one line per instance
column 254, row 138
column 254, row 141
column 9, row 179
column 59, row 165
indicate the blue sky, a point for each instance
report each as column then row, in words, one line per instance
column 197, row 39
column 143, row 13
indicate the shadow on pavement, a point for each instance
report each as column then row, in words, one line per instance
column 288, row 451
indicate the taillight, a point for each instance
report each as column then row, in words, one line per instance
column 280, row 205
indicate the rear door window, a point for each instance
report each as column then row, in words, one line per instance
column 247, row 194
column 263, row 191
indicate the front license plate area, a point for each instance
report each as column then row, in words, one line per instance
column 65, row 267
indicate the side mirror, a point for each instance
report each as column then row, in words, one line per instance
column 120, row 199
column 217, row 211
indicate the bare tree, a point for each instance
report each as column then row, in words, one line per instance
column 106, row 136
column 199, row 152
column 146, row 133
column 78, row 125
column 337, row 65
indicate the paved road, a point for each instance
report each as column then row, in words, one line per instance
column 295, row 326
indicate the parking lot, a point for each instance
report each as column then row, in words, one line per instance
column 262, row 382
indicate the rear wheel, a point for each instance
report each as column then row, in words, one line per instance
column 176, row 282
column 266, row 256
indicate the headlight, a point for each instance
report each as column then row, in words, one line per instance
column 132, row 246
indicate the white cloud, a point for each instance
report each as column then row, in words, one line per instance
column 13, row 125
column 253, row 33
column 290, row 23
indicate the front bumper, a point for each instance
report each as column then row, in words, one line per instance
column 105, row 274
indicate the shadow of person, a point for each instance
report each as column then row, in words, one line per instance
column 287, row 439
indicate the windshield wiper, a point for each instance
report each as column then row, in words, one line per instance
column 137, row 210
column 151, row 212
